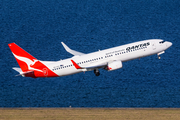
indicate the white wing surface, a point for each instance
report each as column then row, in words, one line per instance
column 71, row 51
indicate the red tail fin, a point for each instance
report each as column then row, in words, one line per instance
column 23, row 58
column 30, row 66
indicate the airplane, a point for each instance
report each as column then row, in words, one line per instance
column 108, row 59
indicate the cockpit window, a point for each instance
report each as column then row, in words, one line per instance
column 162, row 42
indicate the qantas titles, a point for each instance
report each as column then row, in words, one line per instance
column 138, row 46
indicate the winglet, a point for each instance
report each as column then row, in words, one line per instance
column 76, row 65
column 70, row 50
column 66, row 47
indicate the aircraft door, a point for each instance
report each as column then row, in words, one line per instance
column 153, row 45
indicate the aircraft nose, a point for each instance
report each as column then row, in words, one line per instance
column 168, row 44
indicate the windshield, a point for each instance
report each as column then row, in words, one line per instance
column 162, row 42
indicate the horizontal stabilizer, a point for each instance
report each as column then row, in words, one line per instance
column 71, row 51
column 20, row 71
column 17, row 69
column 25, row 73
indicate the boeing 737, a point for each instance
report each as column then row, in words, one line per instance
column 108, row 59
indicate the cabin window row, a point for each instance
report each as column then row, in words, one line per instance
column 90, row 60
column 99, row 58
column 78, row 63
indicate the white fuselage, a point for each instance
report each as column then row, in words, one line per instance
column 102, row 58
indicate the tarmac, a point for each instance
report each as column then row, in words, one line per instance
column 89, row 113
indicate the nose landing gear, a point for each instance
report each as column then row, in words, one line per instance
column 160, row 54
column 159, row 57
column 96, row 72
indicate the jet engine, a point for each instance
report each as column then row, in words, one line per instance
column 114, row 65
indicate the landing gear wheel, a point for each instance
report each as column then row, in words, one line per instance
column 159, row 57
column 96, row 72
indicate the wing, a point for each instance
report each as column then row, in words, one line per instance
column 71, row 51
column 88, row 68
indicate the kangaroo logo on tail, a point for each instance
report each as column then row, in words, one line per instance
column 29, row 65
column 24, row 59
column 29, row 62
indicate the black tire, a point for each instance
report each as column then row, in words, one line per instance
column 97, row 74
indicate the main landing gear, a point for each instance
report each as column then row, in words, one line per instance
column 96, row 72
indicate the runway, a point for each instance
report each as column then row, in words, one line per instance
column 89, row 113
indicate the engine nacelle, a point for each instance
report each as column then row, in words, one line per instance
column 114, row 65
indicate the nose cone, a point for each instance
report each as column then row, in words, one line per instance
column 168, row 44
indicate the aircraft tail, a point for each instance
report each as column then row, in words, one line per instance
column 29, row 65
column 23, row 58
